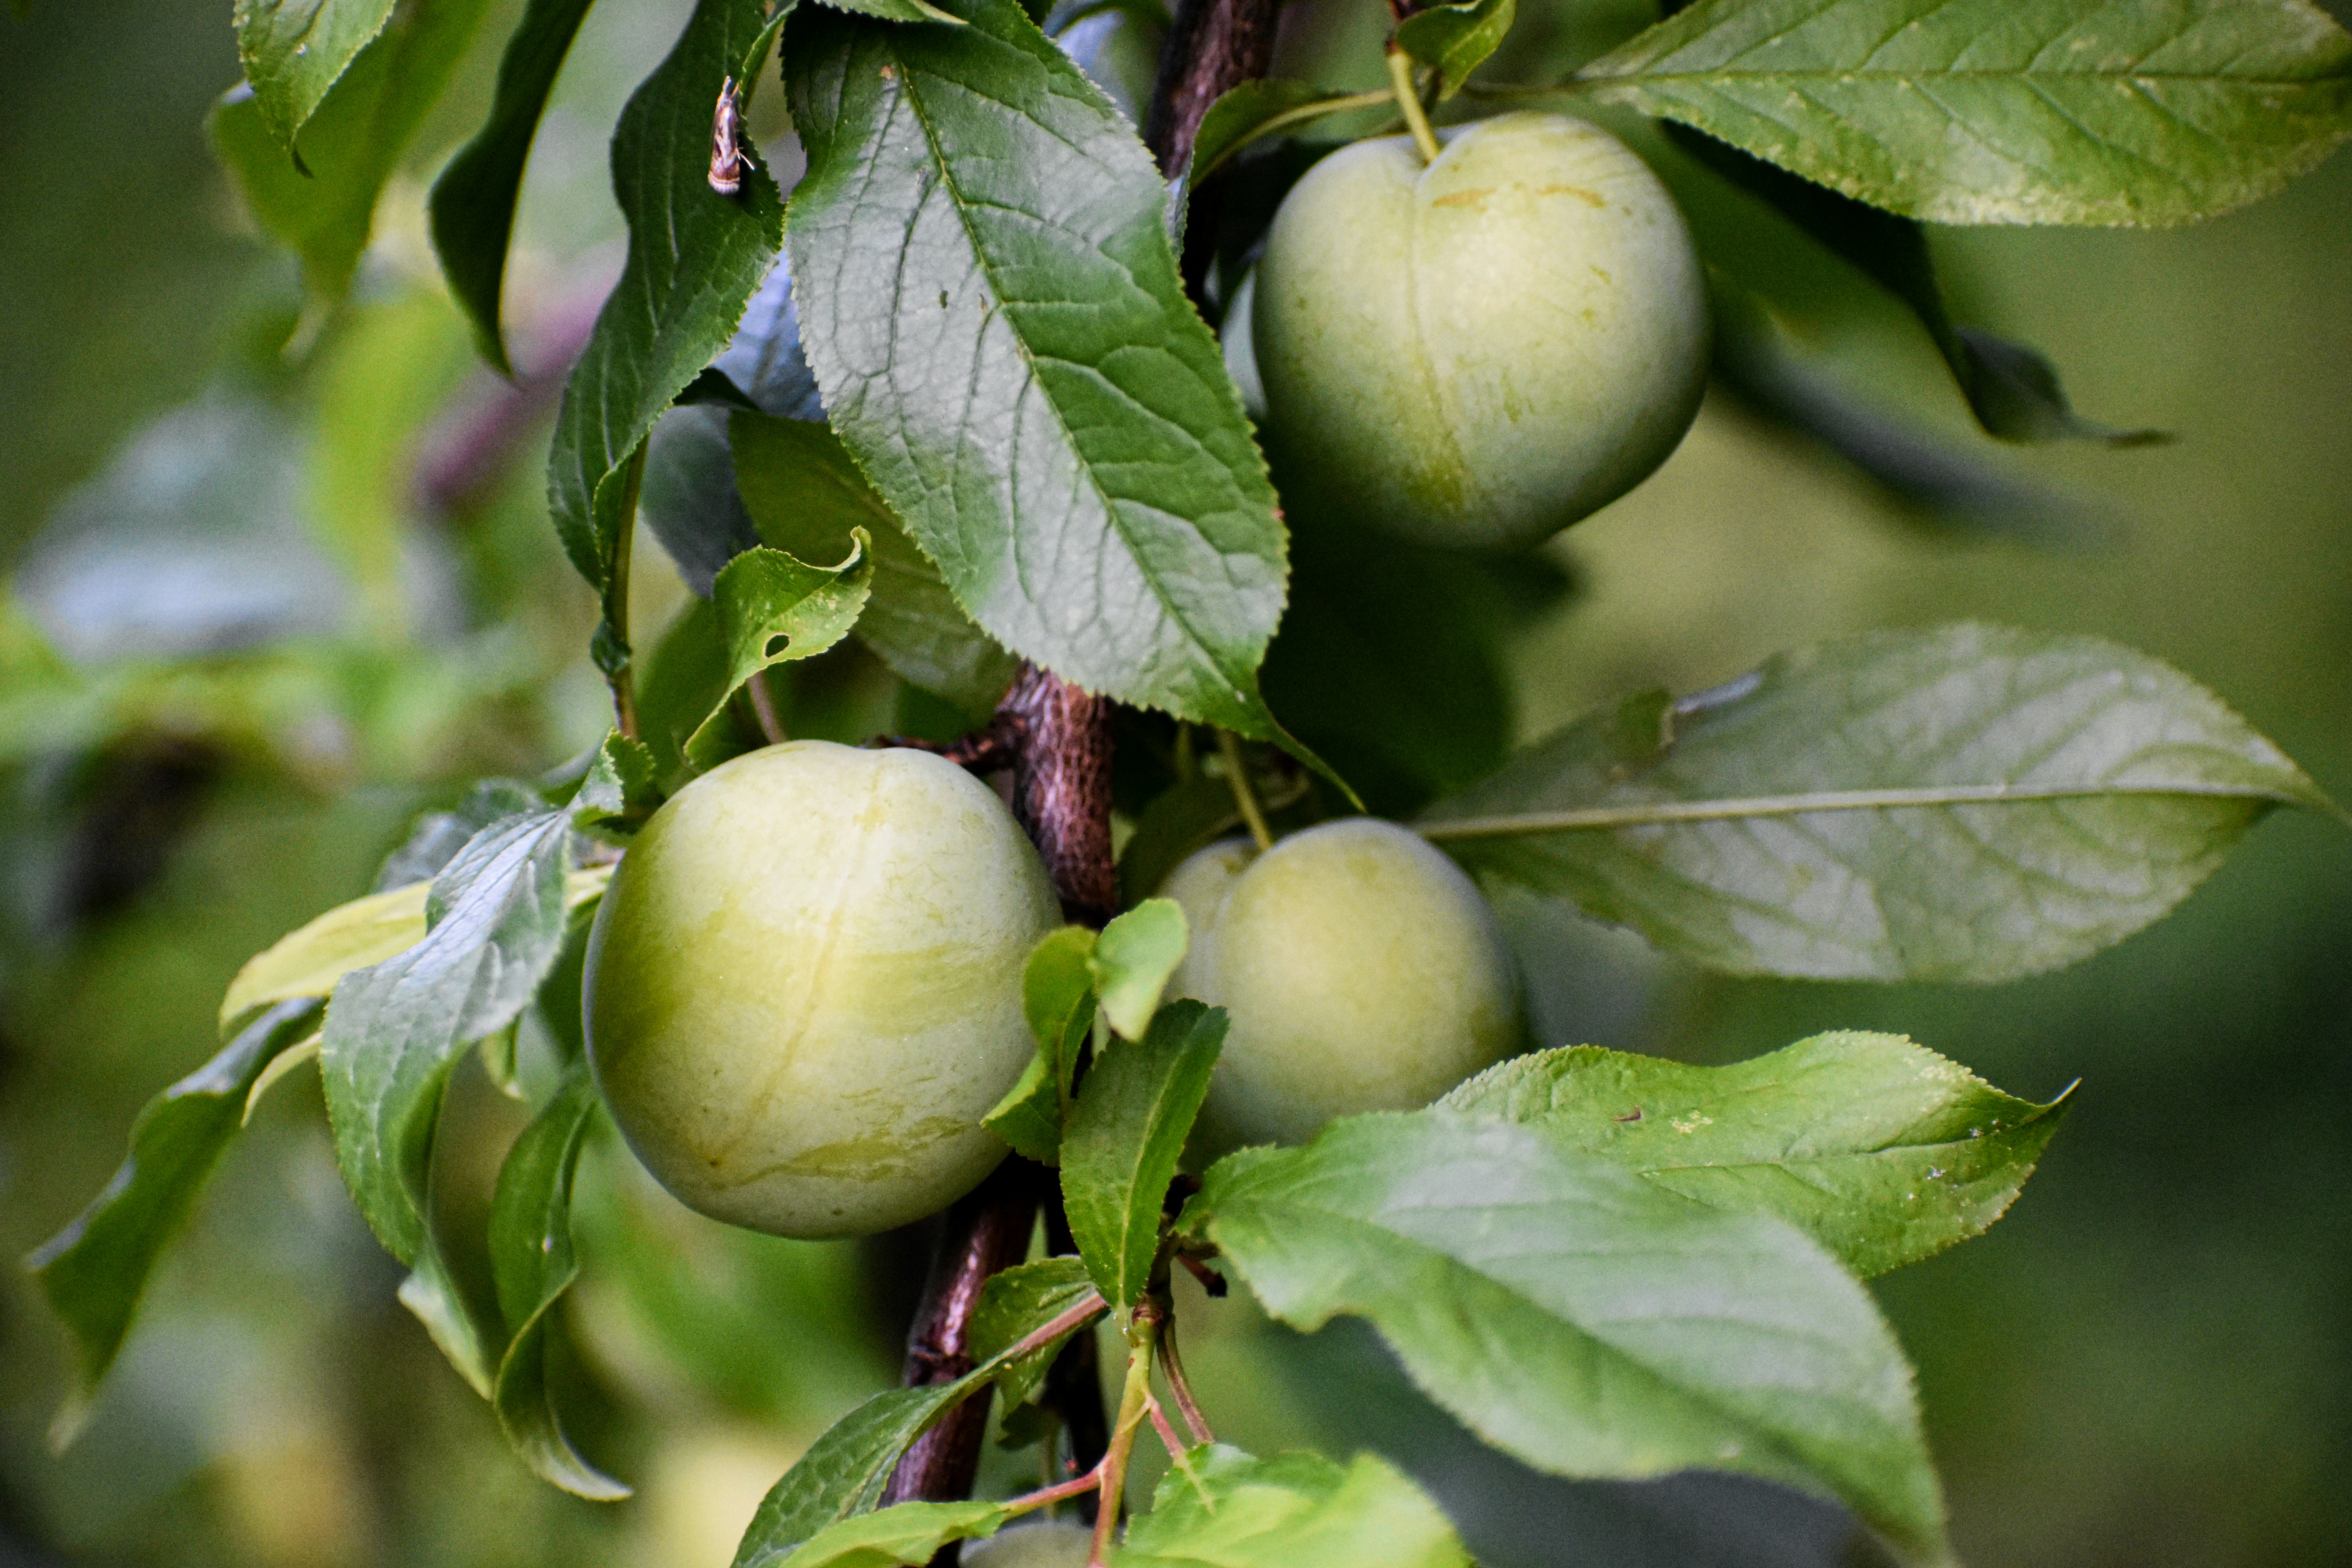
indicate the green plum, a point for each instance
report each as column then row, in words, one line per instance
column 804, row 987
column 1361, row 968
column 1052, row 1543
column 1480, row 351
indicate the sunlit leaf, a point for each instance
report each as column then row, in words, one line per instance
column 1294, row 1511
column 1132, row 961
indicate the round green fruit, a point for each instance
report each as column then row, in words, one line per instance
column 1056, row 1544
column 1481, row 350
column 1362, row 971
column 804, row 987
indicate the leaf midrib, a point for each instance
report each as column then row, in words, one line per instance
column 1213, row 660
column 1716, row 77
column 1596, row 819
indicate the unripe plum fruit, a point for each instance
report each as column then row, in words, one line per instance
column 1481, row 350
column 1056, row 1543
column 804, row 987
column 1360, row 968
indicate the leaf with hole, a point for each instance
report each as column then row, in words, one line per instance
column 774, row 609
column 804, row 495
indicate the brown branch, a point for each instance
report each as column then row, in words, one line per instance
column 1213, row 46
column 986, row 1231
column 1061, row 744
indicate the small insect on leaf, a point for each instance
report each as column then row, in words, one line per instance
column 725, row 141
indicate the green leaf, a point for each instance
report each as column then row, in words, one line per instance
column 322, row 203
column 1882, row 1151
column 622, row 789
column 1577, row 1317
column 1125, row 1133
column 1187, row 815
column 434, row 837
column 1013, row 1302
column 1057, row 993
column 844, row 1472
column 366, row 931
column 898, row 10
column 496, row 923
column 1968, row 803
column 695, row 259
column 1131, row 963
column 806, row 496
column 2067, row 111
column 1029, row 1117
column 1454, row 40
column 94, row 1270
column 1073, row 454
column 1293, row 1510
column 473, row 203
column 294, row 51
column 1251, row 109
column 1404, row 717
column 774, row 609
column 1957, row 487
column 2013, row 390
column 907, row 1533
column 533, row 1262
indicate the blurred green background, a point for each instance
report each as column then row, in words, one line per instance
column 270, row 599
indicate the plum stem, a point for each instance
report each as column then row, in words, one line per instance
column 1134, row 1402
column 1408, row 98
column 1245, row 798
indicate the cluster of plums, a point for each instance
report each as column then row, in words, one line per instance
column 804, row 983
